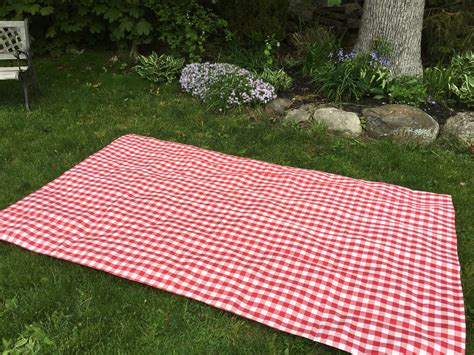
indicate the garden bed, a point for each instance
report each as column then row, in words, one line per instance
column 303, row 92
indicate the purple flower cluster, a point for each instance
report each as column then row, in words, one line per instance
column 374, row 58
column 379, row 60
column 342, row 56
column 236, row 86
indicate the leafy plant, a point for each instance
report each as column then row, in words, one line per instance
column 436, row 81
column 278, row 78
column 378, row 79
column 317, row 57
column 60, row 24
column 159, row 69
column 289, row 62
column 407, row 90
column 255, row 58
column 252, row 59
column 269, row 50
column 341, row 81
column 454, row 82
column 186, row 25
column 32, row 340
column 465, row 91
column 345, row 75
column 461, row 83
column 448, row 28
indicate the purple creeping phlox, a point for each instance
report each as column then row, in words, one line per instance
column 198, row 79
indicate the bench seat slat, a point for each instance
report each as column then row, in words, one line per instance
column 10, row 56
column 10, row 73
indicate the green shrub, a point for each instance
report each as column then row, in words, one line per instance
column 454, row 82
column 279, row 79
column 407, row 90
column 448, row 28
column 159, row 69
column 184, row 26
column 58, row 24
column 255, row 58
column 253, row 21
column 252, row 59
column 461, row 83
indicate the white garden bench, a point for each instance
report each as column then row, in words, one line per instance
column 15, row 45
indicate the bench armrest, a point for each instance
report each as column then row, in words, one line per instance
column 17, row 55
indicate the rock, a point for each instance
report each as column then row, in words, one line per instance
column 338, row 121
column 300, row 115
column 403, row 123
column 277, row 106
column 460, row 127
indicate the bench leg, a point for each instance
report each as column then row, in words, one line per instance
column 25, row 92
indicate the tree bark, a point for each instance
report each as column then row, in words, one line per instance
column 397, row 24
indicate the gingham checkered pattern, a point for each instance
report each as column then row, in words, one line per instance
column 362, row 266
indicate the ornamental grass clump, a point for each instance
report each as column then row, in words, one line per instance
column 224, row 86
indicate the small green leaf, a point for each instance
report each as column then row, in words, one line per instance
column 47, row 10
column 21, row 342
column 126, row 25
column 99, row 9
column 112, row 14
column 143, row 28
column 32, row 9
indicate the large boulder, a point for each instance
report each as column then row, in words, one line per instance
column 278, row 106
column 403, row 123
column 300, row 115
column 338, row 121
column 460, row 127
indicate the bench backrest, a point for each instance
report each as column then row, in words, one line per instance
column 13, row 37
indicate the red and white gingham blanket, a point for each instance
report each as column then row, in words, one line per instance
column 362, row 266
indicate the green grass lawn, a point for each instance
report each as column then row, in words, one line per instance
column 87, row 103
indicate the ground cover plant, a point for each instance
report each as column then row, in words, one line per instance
column 58, row 307
column 223, row 86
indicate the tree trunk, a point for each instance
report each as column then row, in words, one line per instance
column 398, row 25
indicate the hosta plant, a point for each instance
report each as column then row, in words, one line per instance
column 462, row 78
column 278, row 78
column 159, row 69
